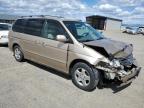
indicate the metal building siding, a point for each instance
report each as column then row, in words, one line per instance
column 113, row 24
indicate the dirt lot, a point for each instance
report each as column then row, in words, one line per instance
column 27, row 85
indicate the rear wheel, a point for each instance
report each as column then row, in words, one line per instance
column 84, row 76
column 18, row 54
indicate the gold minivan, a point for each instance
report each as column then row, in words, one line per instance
column 73, row 47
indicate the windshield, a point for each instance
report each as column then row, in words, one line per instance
column 82, row 31
column 4, row 27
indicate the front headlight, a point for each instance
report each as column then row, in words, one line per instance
column 115, row 63
column 111, row 64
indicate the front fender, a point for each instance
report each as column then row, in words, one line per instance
column 84, row 53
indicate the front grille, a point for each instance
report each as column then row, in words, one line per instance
column 128, row 61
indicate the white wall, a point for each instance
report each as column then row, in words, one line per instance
column 113, row 24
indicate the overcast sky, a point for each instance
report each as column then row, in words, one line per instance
column 131, row 11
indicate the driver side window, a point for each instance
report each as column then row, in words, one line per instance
column 51, row 29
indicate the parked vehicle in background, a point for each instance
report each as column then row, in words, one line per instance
column 141, row 30
column 75, row 48
column 131, row 30
column 4, row 30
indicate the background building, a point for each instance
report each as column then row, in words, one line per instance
column 104, row 23
column 7, row 18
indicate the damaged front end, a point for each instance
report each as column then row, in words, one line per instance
column 114, row 70
column 120, row 64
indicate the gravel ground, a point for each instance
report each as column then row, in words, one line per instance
column 28, row 85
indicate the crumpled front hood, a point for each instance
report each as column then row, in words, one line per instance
column 112, row 47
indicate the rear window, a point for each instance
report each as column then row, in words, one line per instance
column 29, row 26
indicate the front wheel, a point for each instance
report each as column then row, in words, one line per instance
column 84, row 76
column 18, row 54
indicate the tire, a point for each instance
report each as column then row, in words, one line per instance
column 18, row 54
column 84, row 76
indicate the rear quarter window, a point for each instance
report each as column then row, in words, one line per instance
column 19, row 25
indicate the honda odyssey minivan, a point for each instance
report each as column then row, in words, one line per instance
column 73, row 47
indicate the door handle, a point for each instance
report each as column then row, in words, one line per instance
column 41, row 43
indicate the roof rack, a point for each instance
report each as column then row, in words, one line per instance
column 41, row 16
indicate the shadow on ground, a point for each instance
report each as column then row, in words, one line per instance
column 51, row 70
column 115, row 87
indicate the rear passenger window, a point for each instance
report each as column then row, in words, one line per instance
column 51, row 29
column 34, row 27
column 19, row 25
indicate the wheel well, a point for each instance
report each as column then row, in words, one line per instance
column 76, row 61
column 15, row 44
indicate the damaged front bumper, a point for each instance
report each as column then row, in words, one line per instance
column 116, row 71
column 134, row 73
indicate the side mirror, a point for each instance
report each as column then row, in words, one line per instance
column 61, row 38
